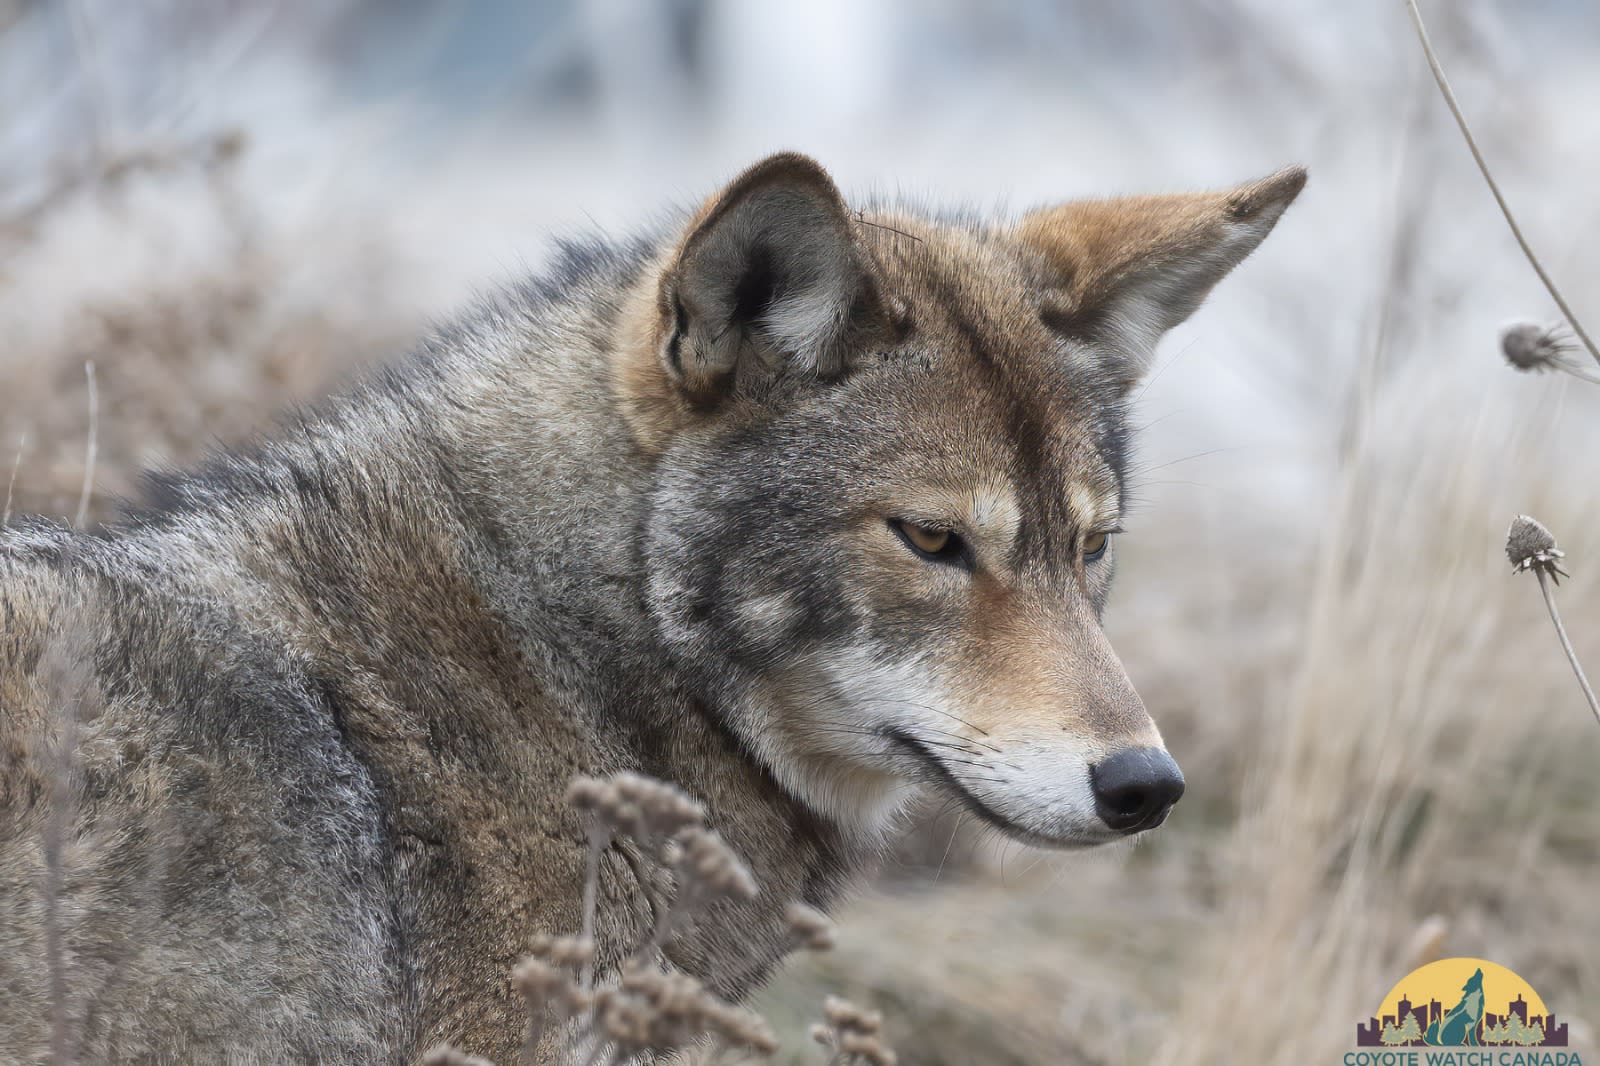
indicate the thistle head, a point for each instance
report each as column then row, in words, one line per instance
column 1530, row 546
column 1530, row 348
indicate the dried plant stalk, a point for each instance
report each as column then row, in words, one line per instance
column 5, row 516
column 91, row 448
column 1488, row 177
column 1531, row 546
column 1545, row 583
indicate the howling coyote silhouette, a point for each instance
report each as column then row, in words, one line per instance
column 1459, row 1027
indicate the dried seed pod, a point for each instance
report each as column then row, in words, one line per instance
column 809, row 928
column 568, row 951
column 1530, row 347
column 664, row 809
column 1533, row 348
column 709, row 861
column 868, row 1047
column 589, row 793
column 538, row 980
column 445, row 1055
column 840, row 1012
column 1530, row 546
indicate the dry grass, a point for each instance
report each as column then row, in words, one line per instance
column 1387, row 757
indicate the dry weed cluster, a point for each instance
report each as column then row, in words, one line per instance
column 650, row 1008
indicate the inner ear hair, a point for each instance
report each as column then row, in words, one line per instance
column 1124, row 271
column 769, row 279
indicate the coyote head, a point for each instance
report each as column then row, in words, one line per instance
column 889, row 455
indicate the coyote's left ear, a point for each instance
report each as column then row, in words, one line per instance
column 768, row 282
column 768, row 277
column 1122, row 272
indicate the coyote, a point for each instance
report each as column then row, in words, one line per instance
column 805, row 508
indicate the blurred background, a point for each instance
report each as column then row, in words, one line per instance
column 230, row 205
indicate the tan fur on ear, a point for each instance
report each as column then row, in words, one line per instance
column 653, row 408
column 769, row 272
column 1129, row 269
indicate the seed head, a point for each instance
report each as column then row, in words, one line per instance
column 537, row 979
column 664, row 809
column 588, row 793
column 547, row 978
column 713, row 865
column 445, row 1055
column 1530, row 546
column 648, row 1010
column 809, row 928
column 869, row 1049
column 849, row 1018
column 568, row 951
column 743, row 1029
column 635, row 806
column 1530, row 347
column 853, row 1033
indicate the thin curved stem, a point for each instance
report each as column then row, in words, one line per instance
column 5, row 517
column 1561, row 631
column 91, row 448
column 1483, row 168
column 599, row 840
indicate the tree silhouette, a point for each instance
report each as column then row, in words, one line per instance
column 1522, row 1034
column 1390, row 1037
column 1410, row 1029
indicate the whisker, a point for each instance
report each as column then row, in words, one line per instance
column 968, row 740
column 862, row 220
column 1139, row 472
column 997, row 763
column 935, row 710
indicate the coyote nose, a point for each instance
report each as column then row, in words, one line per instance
column 1134, row 789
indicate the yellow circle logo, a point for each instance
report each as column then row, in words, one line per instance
column 1462, row 1003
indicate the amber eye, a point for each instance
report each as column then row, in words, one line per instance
column 939, row 545
column 1094, row 545
column 932, row 541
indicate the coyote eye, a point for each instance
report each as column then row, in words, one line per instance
column 938, row 545
column 1094, row 546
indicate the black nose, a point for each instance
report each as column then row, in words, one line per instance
column 1134, row 789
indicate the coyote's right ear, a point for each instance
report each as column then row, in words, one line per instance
column 1127, row 270
column 769, row 278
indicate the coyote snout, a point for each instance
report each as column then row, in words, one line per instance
column 1035, row 728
